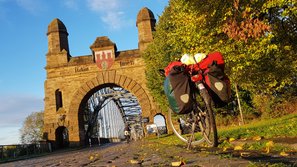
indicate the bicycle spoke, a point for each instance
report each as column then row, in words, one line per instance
column 188, row 130
column 195, row 127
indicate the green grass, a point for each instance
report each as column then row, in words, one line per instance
column 281, row 127
column 266, row 129
column 255, row 140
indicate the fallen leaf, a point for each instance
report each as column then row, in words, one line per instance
column 91, row 158
column 225, row 149
column 133, row 161
column 238, row 148
column 257, row 138
column 178, row 163
column 268, row 150
column 283, row 154
column 269, row 144
column 231, row 139
column 245, row 154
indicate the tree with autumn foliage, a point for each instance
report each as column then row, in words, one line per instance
column 257, row 38
column 32, row 129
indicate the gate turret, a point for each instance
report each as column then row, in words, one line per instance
column 58, row 49
column 146, row 25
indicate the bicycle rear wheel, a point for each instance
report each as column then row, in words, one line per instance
column 186, row 127
column 196, row 127
column 207, row 120
column 208, row 126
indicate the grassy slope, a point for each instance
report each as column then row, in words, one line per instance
column 259, row 133
column 281, row 127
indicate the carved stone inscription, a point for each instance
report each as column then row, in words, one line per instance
column 81, row 69
column 126, row 63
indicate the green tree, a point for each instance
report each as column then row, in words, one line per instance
column 257, row 38
column 32, row 128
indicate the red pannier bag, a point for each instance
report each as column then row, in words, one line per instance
column 171, row 65
column 216, row 80
column 210, row 58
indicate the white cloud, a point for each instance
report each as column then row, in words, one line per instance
column 103, row 5
column 13, row 111
column 110, row 13
column 115, row 20
column 32, row 6
column 71, row 4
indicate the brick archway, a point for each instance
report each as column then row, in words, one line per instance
column 109, row 77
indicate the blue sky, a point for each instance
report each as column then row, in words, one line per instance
column 23, row 46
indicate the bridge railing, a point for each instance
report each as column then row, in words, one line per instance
column 22, row 151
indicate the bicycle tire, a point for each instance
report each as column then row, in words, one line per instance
column 208, row 122
column 196, row 127
column 186, row 128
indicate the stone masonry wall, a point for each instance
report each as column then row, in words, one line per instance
column 80, row 76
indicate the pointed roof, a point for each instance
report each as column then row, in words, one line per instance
column 102, row 42
column 145, row 14
column 56, row 26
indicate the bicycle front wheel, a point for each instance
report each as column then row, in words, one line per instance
column 186, row 127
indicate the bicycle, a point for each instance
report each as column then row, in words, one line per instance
column 127, row 136
column 198, row 125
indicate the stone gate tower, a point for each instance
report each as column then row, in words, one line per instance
column 70, row 81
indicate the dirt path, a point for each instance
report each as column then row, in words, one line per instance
column 146, row 153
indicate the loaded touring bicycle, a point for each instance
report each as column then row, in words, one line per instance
column 193, row 87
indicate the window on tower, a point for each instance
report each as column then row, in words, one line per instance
column 59, row 102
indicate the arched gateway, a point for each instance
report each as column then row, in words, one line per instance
column 71, row 80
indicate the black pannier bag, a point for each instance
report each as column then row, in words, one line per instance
column 178, row 90
column 219, row 85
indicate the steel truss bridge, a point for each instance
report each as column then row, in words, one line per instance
column 108, row 111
